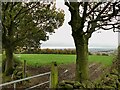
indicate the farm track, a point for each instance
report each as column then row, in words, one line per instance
column 66, row 72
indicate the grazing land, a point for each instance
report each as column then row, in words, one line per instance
column 37, row 60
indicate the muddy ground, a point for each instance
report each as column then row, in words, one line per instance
column 66, row 72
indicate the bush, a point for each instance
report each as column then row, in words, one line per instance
column 98, row 54
column 89, row 53
column 109, row 81
column 105, row 54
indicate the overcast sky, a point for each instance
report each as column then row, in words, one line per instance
column 62, row 36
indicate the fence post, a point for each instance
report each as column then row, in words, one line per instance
column 24, row 69
column 14, row 86
column 54, row 75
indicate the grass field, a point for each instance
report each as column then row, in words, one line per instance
column 46, row 59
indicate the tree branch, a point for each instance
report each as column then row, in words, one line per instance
column 68, row 4
column 104, row 9
column 30, row 8
column 84, row 15
column 106, row 24
column 85, row 10
column 19, row 12
column 92, row 10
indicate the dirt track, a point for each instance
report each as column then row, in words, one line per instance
column 66, row 72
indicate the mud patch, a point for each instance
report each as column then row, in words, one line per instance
column 66, row 72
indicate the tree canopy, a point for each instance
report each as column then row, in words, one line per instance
column 28, row 23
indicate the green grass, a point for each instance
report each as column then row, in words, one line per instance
column 46, row 59
column 106, row 60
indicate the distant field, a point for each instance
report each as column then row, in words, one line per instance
column 45, row 59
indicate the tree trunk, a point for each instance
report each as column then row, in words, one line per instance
column 118, row 62
column 81, row 44
column 80, row 39
column 9, row 61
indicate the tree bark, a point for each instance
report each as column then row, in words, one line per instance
column 9, row 61
column 118, row 62
column 81, row 43
column 80, row 40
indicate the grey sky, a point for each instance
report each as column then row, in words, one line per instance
column 63, row 38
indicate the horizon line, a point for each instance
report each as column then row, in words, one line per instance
column 99, row 47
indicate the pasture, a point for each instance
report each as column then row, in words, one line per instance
column 37, row 60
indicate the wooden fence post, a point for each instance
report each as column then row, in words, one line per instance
column 54, row 75
column 24, row 69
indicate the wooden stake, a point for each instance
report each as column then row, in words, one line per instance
column 54, row 75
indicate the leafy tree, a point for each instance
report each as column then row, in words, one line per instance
column 86, row 18
column 26, row 24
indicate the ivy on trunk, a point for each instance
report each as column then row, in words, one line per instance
column 81, row 44
column 9, row 61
